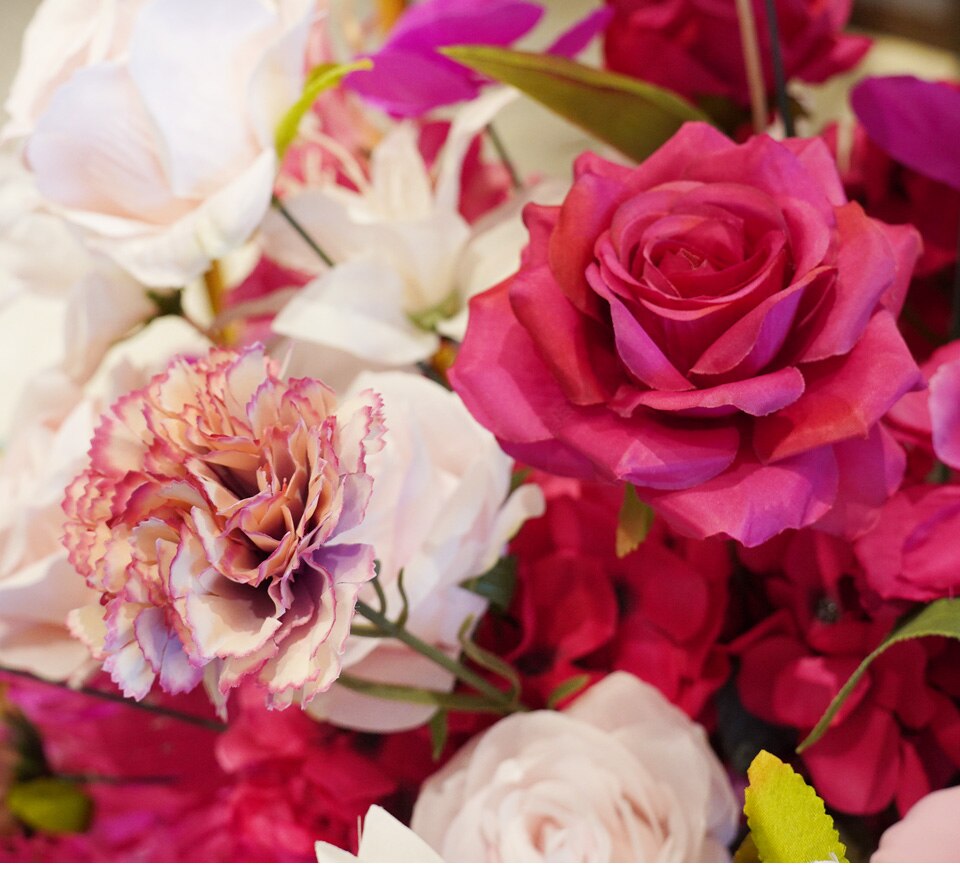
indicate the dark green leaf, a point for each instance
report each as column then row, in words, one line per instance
column 939, row 619
column 497, row 584
column 632, row 116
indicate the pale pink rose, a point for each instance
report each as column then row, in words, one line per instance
column 54, row 423
column 441, row 513
column 621, row 775
column 928, row 832
column 150, row 125
column 384, row 840
column 208, row 519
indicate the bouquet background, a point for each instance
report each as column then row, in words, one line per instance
column 378, row 445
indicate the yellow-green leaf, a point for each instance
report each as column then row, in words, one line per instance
column 319, row 80
column 787, row 821
column 51, row 805
column 636, row 519
column 632, row 116
column 939, row 619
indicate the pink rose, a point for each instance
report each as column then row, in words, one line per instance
column 208, row 519
column 694, row 47
column 928, row 832
column 621, row 775
column 716, row 326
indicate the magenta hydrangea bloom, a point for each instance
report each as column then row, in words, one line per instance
column 410, row 77
column 208, row 519
column 716, row 326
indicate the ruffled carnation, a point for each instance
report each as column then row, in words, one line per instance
column 208, row 519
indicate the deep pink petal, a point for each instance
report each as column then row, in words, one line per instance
column 915, row 122
column 845, row 397
column 645, row 451
column 499, row 375
column 871, row 470
column 574, row 347
column 945, row 411
column 866, row 270
column 752, row 502
column 760, row 395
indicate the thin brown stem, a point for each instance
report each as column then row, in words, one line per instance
column 199, row 721
column 751, row 61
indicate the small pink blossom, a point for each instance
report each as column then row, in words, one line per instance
column 208, row 519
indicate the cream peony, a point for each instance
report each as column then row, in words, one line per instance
column 208, row 519
column 442, row 513
column 928, row 832
column 621, row 775
column 149, row 124
column 383, row 840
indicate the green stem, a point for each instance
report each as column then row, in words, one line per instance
column 505, row 159
column 461, row 671
column 199, row 721
column 779, row 73
column 301, row 232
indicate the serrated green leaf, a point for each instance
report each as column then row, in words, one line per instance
column 497, row 584
column 319, row 79
column 438, row 733
column 565, row 689
column 488, row 660
column 938, row 619
column 51, row 805
column 634, row 523
column 634, row 117
column 787, row 820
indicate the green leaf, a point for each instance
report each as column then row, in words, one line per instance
column 787, row 820
column 488, row 660
column 632, row 116
column 51, row 805
column 636, row 519
column 939, row 619
column 422, row 696
column 438, row 733
column 497, row 584
column 320, row 79
column 565, row 689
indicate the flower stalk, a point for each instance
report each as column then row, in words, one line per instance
column 503, row 702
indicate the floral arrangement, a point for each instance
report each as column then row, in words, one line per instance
column 515, row 515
